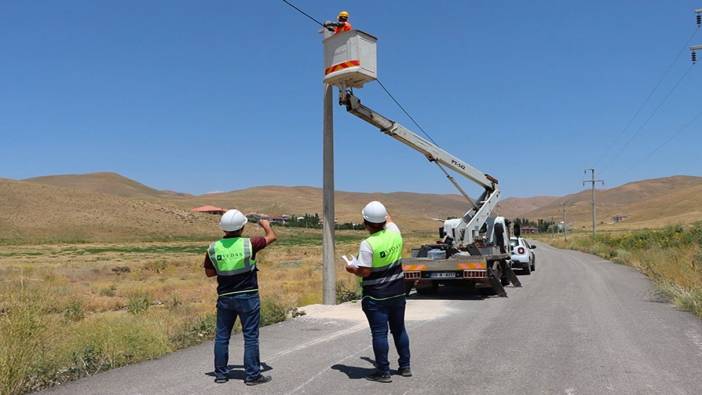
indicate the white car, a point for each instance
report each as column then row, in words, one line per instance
column 523, row 257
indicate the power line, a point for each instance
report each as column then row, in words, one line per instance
column 303, row 13
column 653, row 114
column 674, row 135
column 407, row 113
column 655, row 87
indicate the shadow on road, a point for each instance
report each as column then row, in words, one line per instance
column 356, row 372
column 236, row 372
column 454, row 293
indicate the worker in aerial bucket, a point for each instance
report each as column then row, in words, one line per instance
column 379, row 264
column 342, row 24
column 233, row 260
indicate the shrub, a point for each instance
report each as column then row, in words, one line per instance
column 347, row 293
column 74, row 311
column 109, row 291
column 174, row 302
column 273, row 311
column 155, row 266
column 121, row 269
column 21, row 338
column 194, row 331
column 109, row 343
column 138, row 303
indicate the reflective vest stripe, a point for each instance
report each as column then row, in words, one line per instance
column 239, row 292
column 236, row 265
column 384, row 279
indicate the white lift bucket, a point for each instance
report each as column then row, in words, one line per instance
column 350, row 59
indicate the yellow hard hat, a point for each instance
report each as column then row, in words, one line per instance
column 344, row 14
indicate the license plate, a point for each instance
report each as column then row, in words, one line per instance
column 443, row 275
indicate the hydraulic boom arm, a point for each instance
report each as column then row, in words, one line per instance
column 466, row 230
column 407, row 137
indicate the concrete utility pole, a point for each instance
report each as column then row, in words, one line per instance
column 593, row 181
column 328, row 239
column 565, row 223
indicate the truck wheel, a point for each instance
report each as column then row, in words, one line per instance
column 533, row 266
column 527, row 270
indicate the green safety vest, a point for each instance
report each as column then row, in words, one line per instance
column 387, row 279
column 232, row 256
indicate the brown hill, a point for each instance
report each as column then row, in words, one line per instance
column 515, row 207
column 107, row 206
column 31, row 211
column 106, row 182
column 647, row 203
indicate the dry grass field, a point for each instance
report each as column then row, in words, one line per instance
column 70, row 310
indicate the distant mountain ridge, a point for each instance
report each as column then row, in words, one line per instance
column 107, row 206
column 647, row 203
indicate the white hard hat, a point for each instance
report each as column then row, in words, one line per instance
column 232, row 221
column 375, row 212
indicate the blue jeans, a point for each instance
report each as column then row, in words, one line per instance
column 248, row 307
column 381, row 314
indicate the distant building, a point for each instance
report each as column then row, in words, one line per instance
column 209, row 210
column 282, row 220
column 529, row 229
column 619, row 218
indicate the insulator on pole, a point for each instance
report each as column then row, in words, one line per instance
column 694, row 56
column 699, row 20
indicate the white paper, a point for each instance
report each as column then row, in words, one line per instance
column 350, row 261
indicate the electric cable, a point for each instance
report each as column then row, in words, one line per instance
column 303, row 13
column 643, row 104
column 406, row 112
column 653, row 114
column 379, row 82
column 674, row 135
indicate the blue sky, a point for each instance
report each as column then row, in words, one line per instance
column 221, row 95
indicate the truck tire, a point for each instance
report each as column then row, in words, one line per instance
column 527, row 270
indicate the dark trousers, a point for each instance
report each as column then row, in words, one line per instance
column 381, row 314
column 247, row 307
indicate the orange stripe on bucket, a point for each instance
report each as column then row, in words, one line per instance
column 341, row 66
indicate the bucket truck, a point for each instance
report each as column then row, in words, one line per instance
column 473, row 249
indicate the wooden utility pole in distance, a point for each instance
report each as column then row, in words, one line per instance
column 593, row 181
column 328, row 237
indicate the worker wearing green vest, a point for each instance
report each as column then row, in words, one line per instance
column 379, row 263
column 233, row 260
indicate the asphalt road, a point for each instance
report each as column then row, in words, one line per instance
column 580, row 325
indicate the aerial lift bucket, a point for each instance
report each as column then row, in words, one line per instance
column 350, row 59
